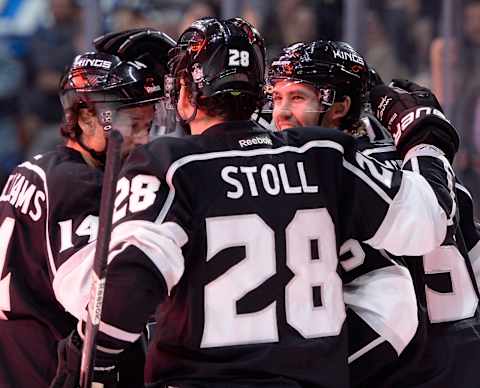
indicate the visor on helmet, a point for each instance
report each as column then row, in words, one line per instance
column 165, row 122
column 107, row 85
column 276, row 86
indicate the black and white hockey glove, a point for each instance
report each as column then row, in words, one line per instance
column 69, row 352
column 413, row 115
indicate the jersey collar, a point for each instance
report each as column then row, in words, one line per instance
column 234, row 126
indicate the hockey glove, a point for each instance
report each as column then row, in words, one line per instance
column 69, row 353
column 413, row 116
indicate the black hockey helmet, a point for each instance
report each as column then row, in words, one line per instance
column 220, row 58
column 146, row 45
column 333, row 68
column 106, row 84
column 151, row 47
column 374, row 78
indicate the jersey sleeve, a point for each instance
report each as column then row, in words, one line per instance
column 74, row 207
column 57, row 199
column 74, row 191
column 405, row 212
column 150, row 227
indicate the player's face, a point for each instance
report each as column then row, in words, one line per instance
column 93, row 135
column 134, row 124
column 295, row 104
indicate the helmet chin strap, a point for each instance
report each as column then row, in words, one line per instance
column 99, row 156
column 320, row 118
column 106, row 119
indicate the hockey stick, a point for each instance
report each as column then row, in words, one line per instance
column 99, row 267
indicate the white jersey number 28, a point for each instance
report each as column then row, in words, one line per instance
column 224, row 326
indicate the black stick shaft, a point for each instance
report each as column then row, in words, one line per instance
column 99, row 269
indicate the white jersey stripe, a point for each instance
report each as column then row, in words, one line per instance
column 108, row 350
column 463, row 188
column 375, row 298
column 364, row 177
column 117, row 333
column 408, row 227
column 424, row 150
column 451, row 189
column 120, row 334
column 415, row 165
column 379, row 150
column 474, row 255
column 236, row 153
column 365, row 349
column 161, row 243
column 432, row 151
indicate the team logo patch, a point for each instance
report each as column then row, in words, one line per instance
column 257, row 140
column 197, row 73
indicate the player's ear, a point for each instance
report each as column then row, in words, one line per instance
column 184, row 95
column 86, row 121
column 185, row 104
column 341, row 108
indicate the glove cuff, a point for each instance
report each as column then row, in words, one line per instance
column 424, row 150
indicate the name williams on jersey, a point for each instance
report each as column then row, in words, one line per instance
column 23, row 194
column 272, row 179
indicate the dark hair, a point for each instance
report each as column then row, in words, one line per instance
column 229, row 107
column 69, row 128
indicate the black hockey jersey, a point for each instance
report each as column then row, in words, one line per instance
column 382, row 316
column 454, row 296
column 441, row 351
column 237, row 233
column 470, row 228
column 48, row 209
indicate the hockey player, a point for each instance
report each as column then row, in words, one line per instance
column 49, row 205
column 234, row 232
column 325, row 83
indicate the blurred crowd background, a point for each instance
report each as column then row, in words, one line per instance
column 433, row 42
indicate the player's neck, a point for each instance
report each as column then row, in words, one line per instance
column 202, row 122
column 85, row 154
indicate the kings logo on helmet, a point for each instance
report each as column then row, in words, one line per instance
column 89, row 62
column 345, row 55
